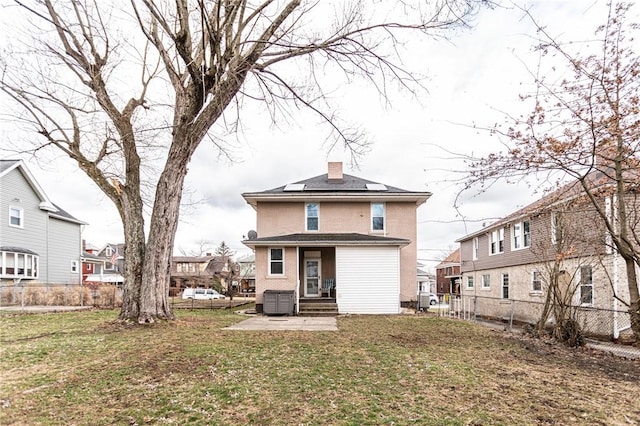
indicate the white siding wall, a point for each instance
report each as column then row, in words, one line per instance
column 64, row 247
column 368, row 280
column 57, row 242
column 17, row 192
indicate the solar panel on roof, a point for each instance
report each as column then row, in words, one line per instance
column 376, row 187
column 294, row 187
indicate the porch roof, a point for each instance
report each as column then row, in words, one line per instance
column 320, row 240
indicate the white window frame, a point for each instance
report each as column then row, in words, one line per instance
column 521, row 237
column 470, row 283
column 273, row 261
column 476, row 247
column 504, row 286
column 534, row 280
column 486, row 281
column 384, row 218
column 30, row 265
column 108, row 252
column 496, row 237
column 74, row 266
column 586, row 284
column 307, row 217
column 20, row 216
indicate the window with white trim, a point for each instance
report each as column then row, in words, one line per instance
column 496, row 241
column 521, row 237
column 312, row 213
column 486, row 281
column 536, row 281
column 505, row 286
column 476, row 246
column 18, row 265
column 586, row 285
column 276, row 261
column 74, row 266
column 16, row 217
column 377, row 216
column 470, row 282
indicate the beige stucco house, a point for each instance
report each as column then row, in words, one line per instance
column 337, row 237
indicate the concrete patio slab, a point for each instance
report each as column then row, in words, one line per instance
column 262, row 322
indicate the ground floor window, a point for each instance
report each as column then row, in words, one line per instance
column 536, row 281
column 586, row 285
column 486, row 281
column 18, row 265
column 276, row 261
column 505, row 286
column 470, row 282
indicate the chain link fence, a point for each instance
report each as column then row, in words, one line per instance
column 606, row 329
column 27, row 295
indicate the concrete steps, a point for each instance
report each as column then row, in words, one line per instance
column 318, row 308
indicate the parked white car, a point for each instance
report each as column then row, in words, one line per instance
column 201, row 294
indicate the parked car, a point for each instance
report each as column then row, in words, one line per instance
column 201, row 294
column 433, row 299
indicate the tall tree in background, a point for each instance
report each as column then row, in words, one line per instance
column 585, row 124
column 128, row 90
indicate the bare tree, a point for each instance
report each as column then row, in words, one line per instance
column 130, row 89
column 585, row 126
column 562, row 255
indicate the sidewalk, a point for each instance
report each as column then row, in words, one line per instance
column 261, row 322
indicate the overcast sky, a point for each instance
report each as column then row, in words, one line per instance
column 472, row 79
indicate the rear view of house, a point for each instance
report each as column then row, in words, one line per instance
column 339, row 237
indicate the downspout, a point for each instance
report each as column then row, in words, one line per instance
column 297, row 291
column 616, row 268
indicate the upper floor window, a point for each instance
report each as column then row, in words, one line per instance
column 16, row 216
column 276, row 261
column 74, row 266
column 313, row 216
column 108, row 251
column 377, row 216
column 496, row 241
column 521, row 235
column 586, row 285
column 476, row 245
column 505, row 286
column 536, row 281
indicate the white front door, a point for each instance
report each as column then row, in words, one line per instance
column 311, row 277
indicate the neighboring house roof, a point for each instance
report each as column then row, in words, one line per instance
column 191, row 259
column 453, row 259
column 54, row 210
column 597, row 180
column 91, row 258
column 13, row 249
column 251, row 258
column 104, row 278
column 320, row 239
column 322, row 188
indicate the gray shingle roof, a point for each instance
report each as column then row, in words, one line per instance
column 327, row 239
column 348, row 183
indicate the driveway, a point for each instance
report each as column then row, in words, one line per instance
column 261, row 322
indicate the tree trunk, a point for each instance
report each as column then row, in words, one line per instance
column 634, row 297
column 134, row 242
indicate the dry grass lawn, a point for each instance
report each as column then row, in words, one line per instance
column 82, row 368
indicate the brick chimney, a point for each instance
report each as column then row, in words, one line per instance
column 335, row 172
